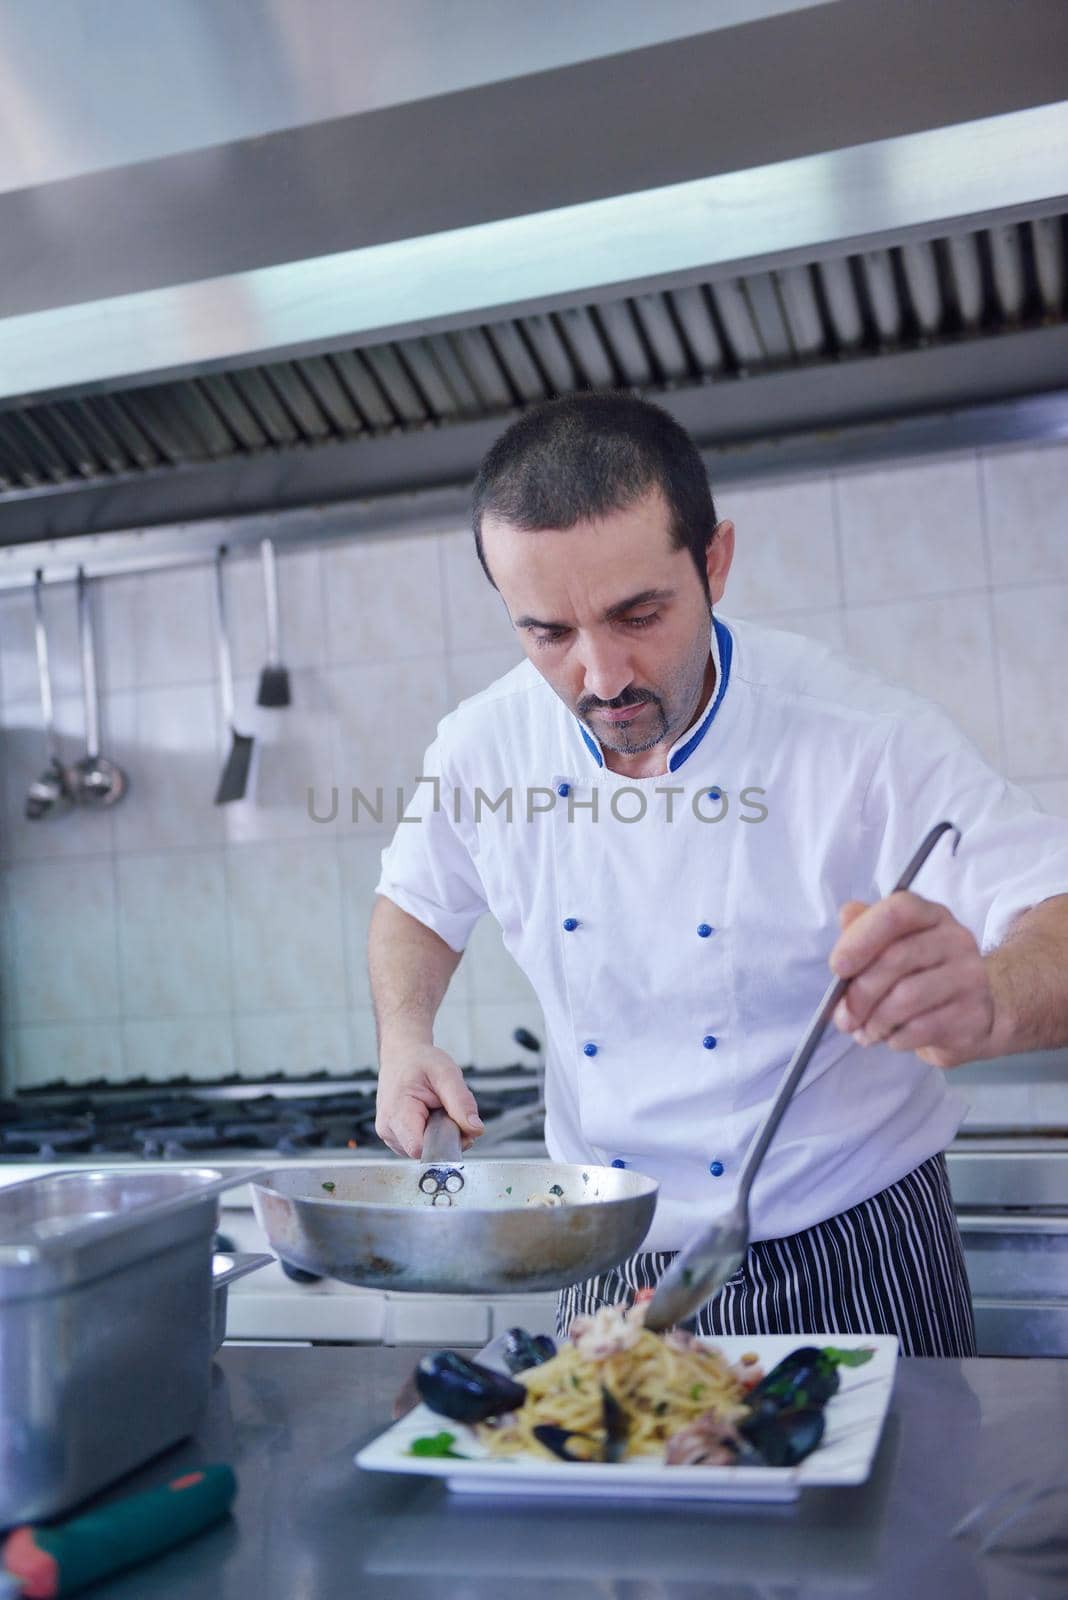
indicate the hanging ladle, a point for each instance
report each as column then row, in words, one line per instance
column 701, row 1270
column 96, row 781
column 50, row 794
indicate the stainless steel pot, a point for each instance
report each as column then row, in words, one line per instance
column 106, row 1327
column 226, row 1268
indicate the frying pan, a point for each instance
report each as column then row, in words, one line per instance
column 443, row 1225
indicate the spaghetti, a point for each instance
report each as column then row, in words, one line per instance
column 661, row 1384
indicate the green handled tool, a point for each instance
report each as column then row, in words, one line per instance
column 45, row 1562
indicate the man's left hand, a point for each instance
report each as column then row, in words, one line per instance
column 917, row 980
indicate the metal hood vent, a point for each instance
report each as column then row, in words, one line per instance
column 978, row 286
column 758, row 227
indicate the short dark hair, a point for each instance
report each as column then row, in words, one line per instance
column 584, row 455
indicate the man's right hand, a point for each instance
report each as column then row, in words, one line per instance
column 413, row 1082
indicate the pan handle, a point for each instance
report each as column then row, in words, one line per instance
column 442, row 1141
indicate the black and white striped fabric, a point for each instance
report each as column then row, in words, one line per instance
column 893, row 1264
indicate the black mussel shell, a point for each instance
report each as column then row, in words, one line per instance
column 783, row 1438
column 616, row 1427
column 463, row 1391
column 612, row 1448
column 558, row 1440
column 805, row 1378
column 523, row 1350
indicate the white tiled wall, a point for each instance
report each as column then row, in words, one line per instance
column 173, row 936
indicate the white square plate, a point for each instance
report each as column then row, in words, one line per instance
column 854, row 1422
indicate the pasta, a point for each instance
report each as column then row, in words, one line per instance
column 661, row 1384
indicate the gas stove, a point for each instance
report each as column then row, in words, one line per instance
column 231, row 1119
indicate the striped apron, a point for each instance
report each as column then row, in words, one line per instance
column 892, row 1264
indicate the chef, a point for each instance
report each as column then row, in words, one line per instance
column 683, row 824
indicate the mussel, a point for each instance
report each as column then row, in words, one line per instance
column 523, row 1350
column 572, row 1446
column 464, row 1391
column 805, row 1378
column 783, row 1438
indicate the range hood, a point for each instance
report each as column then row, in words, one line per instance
column 830, row 232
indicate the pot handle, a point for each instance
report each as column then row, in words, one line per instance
column 241, row 1263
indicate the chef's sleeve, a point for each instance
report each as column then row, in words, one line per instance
column 428, row 868
column 1012, row 856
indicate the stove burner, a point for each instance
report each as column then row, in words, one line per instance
column 176, row 1123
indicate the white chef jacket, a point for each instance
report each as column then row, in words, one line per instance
column 679, row 957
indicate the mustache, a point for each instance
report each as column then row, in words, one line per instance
column 629, row 697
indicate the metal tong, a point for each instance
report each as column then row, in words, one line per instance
column 699, row 1271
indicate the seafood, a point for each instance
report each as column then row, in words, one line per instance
column 523, row 1349
column 463, row 1391
column 783, row 1438
column 572, row 1446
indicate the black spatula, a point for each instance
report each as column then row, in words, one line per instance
column 234, row 780
column 274, row 679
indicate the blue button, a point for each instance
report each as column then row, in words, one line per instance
column 716, row 1168
column 570, row 924
column 715, row 794
column 710, row 1041
column 704, row 929
column 589, row 1048
column 618, row 1163
column 563, row 790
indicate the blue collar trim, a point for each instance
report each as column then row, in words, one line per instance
column 725, row 645
column 726, row 649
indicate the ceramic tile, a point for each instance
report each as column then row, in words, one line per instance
column 785, row 557
column 172, row 1047
column 18, row 656
column 362, row 1034
column 383, row 599
column 361, row 868
column 492, row 974
column 168, row 741
column 77, row 831
column 475, row 614
column 471, row 671
column 76, row 1052
column 295, row 767
column 66, row 968
column 909, row 531
column 387, row 717
column 1030, row 628
column 293, row 1042
column 940, row 649
column 173, row 943
column 1027, row 513
column 300, row 610
column 164, row 627
column 285, row 925
column 825, row 627
column 492, row 1027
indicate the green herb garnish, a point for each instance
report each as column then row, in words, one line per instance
column 436, row 1444
column 556, row 1189
column 329, row 1187
column 848, row 1358
column 697, row 1391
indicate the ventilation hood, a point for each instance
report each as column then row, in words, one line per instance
column 819, row 232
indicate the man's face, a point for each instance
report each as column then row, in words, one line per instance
column 614, row 617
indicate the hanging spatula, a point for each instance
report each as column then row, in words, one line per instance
column 234, row 780
column 274, row 679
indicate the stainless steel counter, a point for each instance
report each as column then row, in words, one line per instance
column 309, row 1525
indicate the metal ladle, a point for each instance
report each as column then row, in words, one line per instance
column 96, row 781
column 50, row 794
column 701, row 1270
